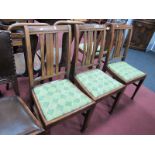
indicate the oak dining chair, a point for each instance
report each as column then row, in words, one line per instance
column 55, row 97
column 87, row 74
column 115, row 63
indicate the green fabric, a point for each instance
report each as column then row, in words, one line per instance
column 97, row 82
column 125, row 71
column 59, row 97
column 81, row 46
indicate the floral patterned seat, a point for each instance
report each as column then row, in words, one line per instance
column 59, row 97
column 125, row 71
column 98, row 83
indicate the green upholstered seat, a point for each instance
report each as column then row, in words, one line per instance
column 81, row 46
column 97, row 82
column 125, row 71
column 59, row 97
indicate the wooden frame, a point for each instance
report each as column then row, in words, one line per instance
column 32, row 116
column 49, row 38
column 117, row 32
column 89, row 62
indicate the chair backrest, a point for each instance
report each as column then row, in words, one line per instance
column 50, row 41
column 7, row 63
column 120, row 37
column 7, row 66
column 90, row 40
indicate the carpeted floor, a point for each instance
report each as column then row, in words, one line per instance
column 144, row 61
column 130, row 116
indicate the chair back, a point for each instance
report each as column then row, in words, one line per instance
column 7, row 63
column 90, row 34
column 50, row 43
column 120, row 37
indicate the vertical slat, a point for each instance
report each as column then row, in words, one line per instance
column 29, row 56
column 115, row 43
column 69, row 53
column 94, row 47
column 76, row 45
column 57, row 53
column 91, row 47
column 85, row 41
column 43, row 70
column 123, row 41
column 102, row 46
column 88, row 49
column 118, row 44
column 85, row 48
column 75, row 53
column 111, row 42
column 127, row 43
column 49, row 54
column 123, row 38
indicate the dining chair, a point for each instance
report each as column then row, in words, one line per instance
column 87, row 74
column 15, row 116
column 121, row 70
column 55, row 97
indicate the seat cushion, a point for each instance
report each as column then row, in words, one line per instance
column 59, row 97
column 14, row 119
column 125, row 71
column 97, row 82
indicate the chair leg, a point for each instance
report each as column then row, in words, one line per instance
column 118, row 96
column 47, row 131
column 1, row 95
column 104, row 68
column 32, row 105
column 7, row 86
column 137, row 88
column 15, row 87
column 87, row 117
